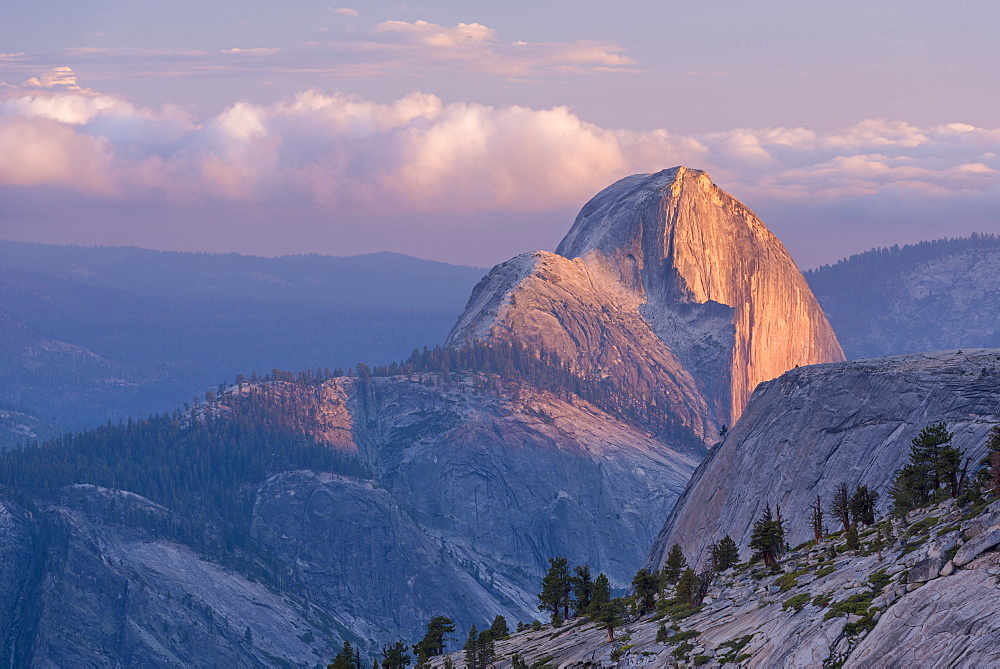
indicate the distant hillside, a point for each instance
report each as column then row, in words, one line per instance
column 96, row 333
column 929, row 296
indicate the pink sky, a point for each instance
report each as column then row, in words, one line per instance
column 469, row 141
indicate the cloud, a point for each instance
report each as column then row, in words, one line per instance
column 418, row 157
column 476, row 48
column 256, row 51
column 346, row 11
column 62, row 78
column 434, row 35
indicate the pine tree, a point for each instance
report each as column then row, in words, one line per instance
column 395, row 656
column 608, row 614
column 485, row 649
column 688, row 586
column 499, row 629
column 935, row 468
column 646, row 587
column 989, row 475
column 676, row 563
column 853, row 541
column 345, row 658
column 471, row 649
column 862, row 505
column 601, row 594
column 727, row 554
column 433, row 643
column 816, row 519
column 840, row 505
column 556, row 588
column 767, row 539
column 583, row 588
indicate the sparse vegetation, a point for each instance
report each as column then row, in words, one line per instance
column 796, row 602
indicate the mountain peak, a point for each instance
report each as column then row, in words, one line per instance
column 665, row 283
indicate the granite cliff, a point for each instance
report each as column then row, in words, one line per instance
column 921, row 591
column 849, row 422
column 669, row 284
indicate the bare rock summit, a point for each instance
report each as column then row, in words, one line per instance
column 666, row 285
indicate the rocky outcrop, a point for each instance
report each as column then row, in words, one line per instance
column 587, row 318
column 949, row 622
column 516, row 476
column 816, row 427
column 825, row 607
column 669, row 278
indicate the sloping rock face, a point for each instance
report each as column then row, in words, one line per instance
column 95, row 588
column 815, row 427
column 672, row 255
column 829, row 607
column 516, row 480
column 472, row 488
column 949, row 622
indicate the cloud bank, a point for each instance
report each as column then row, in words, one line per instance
column 417, row 156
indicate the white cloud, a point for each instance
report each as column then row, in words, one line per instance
column 62, row 78
column 432, row 34
column 346, row 11
column 420, row 154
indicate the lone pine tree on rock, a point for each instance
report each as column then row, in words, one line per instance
column 816, row 519
column 934, row 471
column 768, row 537
column 862, row 505
column 583, row 589
column 433, row 643
column 646, row 587
column 724, row 554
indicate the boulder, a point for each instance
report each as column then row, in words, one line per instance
column 977, row 545
column 925, row 570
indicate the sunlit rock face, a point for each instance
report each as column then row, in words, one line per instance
column 664, row 281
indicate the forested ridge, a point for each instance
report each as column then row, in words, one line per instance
column 893, row 258
column 934, row 295
column 204, row 464
column 546, row 371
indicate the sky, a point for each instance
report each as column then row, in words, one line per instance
column 472, row 131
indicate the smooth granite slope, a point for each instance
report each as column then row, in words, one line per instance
column 816, row 427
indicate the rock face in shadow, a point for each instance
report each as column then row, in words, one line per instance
column 670, row 275
column 471, row 490
column 925, row 297
column 97, row 589
column 816, row 427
